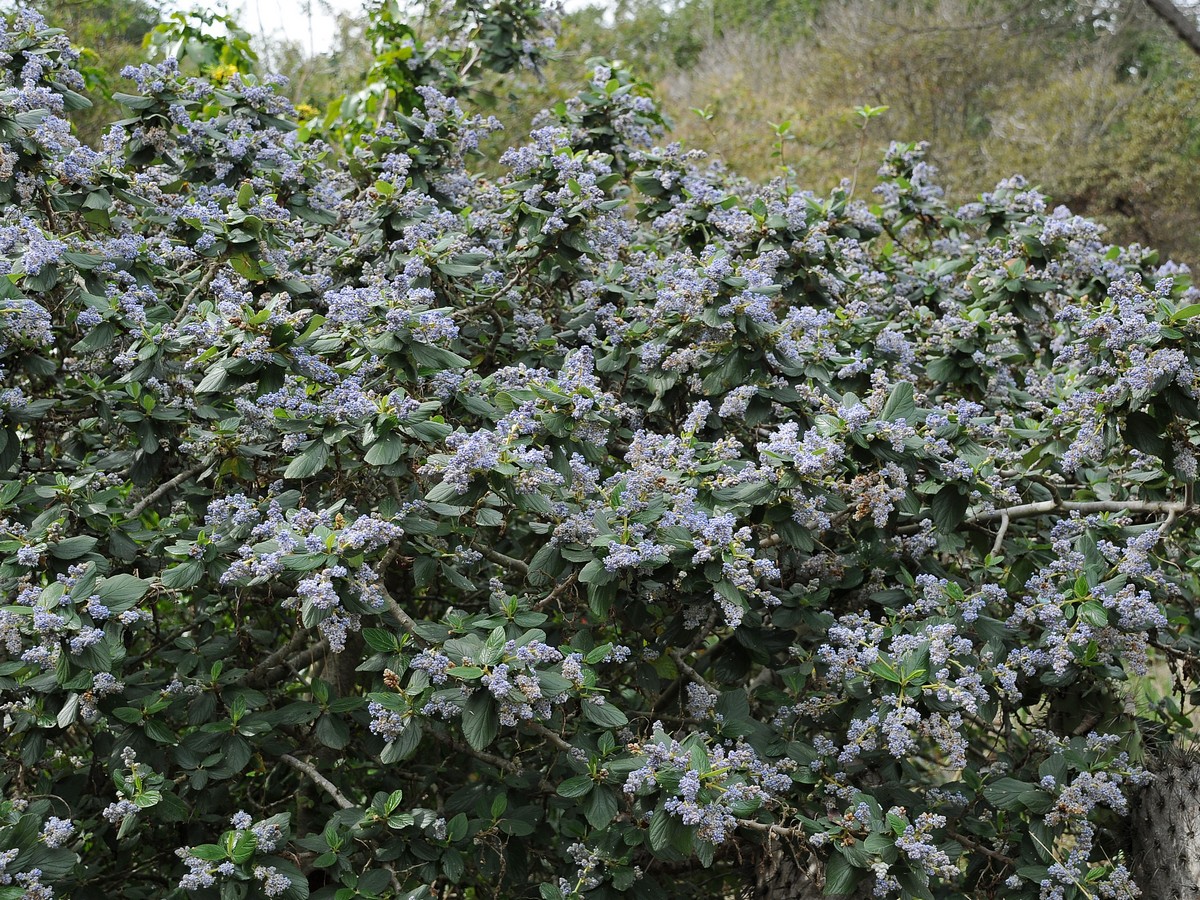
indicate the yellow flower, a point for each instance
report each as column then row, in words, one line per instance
column 223, row 72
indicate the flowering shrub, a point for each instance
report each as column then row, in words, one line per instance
column 371, row 528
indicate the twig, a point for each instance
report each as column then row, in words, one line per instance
column 553, row 737
column 163, row 488
column 318, row 779
column 558, row 591
column 690, row 672
column 980, row 848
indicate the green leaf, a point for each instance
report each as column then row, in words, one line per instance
column 160, row 733
column 605, row 715
column 380, row 641
column 385, row 451
column 1006, row 793
column 840, row 877
column 489, row 518
column 120, row 592
column 493, row 650
column 949, row 508
column 1093, row 613
column 403, row 746
column 480, row 720
column 660, row 828
column 244, row 848
column 72, row 548
column 308, row 463
column 209, row 852
column 185, row 575
column 297, row 713
column 578, row 786
column 900, row 403
column 1142, row 432
column 332, row 732
column 600, row 808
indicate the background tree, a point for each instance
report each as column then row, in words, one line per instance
column 110, row 34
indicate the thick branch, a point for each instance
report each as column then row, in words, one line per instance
column 977, row 847
column 262, row 673
column 507, row 561
column 998, row 545
column 776, row 830
column 505, row 765
column 1086, row 507
column 318, row 779
column 1178, row 21
column 547, row 601
column 398, row 613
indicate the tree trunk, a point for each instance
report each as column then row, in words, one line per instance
column 786, row 872
column 1166, row 830
column 781, row 876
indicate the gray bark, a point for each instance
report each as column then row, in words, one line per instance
column 1178, row 21
column 1166, row 830
column 786, row 872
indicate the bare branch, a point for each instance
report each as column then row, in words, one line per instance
column 318, row 779
column 1085, row 507
column 998, row 545
column 507, row 561
column 553, row 737
column 204, row 282
column 164, row 488
column 690, row 672
column 558, row 591
column 398, row 613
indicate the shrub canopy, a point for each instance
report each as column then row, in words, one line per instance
column 371, row 528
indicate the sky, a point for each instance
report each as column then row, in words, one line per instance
column 290, row 19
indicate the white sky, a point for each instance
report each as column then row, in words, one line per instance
column 310, row 23
column 287, row 18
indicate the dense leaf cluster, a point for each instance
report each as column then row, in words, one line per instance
column 371, row 528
